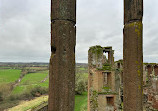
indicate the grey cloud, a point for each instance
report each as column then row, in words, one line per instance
column 25, row 29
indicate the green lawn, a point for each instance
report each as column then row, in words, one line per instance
column 81, row 102
column 9, row 75
column 34, row 79
column 45, row 84
column 31, row 80
column 82, row 68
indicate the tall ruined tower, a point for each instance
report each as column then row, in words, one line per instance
column 133, row 55
column 101, row 80
column 62, row 60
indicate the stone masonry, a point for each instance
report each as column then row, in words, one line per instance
column 150, row 86
column 101, row 80
column 133, row 55
column 62, row 60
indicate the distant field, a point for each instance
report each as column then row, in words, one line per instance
column 2, row 67
column 31, row 80
column 41, row 68
column 82, row 68
column 9, row 75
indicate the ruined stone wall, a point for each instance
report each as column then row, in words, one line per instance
column 102, row 85
column 119, row 83
column 149, row 69
column 95, row 81
column 156, row 70
column 150, row 86
column 95, row 57
column 151, row 94
column 102, row 102
column 100, row 80
column 112, row 81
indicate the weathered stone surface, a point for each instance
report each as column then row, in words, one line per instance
column 156, row 70
column 103, row 105
column 62, row 66
column 133, row 67
column 133, row 10
column 101, row 80
column 149, row 68
column 63, row 10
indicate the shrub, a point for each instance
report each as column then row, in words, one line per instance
column 29, row 94
column 1, row 96
column 14, row 97
column 5, row 90
column 80, row 87
column 38, row 90
column 81, row 83
column 26, row 95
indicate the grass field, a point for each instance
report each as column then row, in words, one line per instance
column 28, row 105
column 9, row 75
column 82, row 68
column 31, row 80
column 80, row 103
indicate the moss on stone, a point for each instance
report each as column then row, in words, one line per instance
column 138, row 27
column 119, row 61
column 94, row 100
column 105, row 67
column 139, row 87
column 106, row 88
column 107, row 47
column 150, row 63
column 96, row 49
column 139, row 74
column 107, row 91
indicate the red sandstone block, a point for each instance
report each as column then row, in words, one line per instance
column 133, row 66
column 63, row 10
column 133, row 10
column 155, row 105
column 62, row 66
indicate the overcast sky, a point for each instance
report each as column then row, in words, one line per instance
column 25, row 29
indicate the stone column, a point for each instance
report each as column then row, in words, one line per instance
column 156, row 70
column 133, row 55
column 62, row 60
column 111, row 56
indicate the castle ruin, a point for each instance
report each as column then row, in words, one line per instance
column 101, row 80
column 105, row 82
column 102, row 93
column 150, row 86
